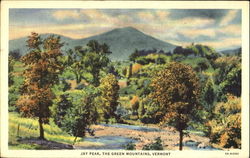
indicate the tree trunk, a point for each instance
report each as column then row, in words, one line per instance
column 181, row 138
column 74, row 140
column 41, row 129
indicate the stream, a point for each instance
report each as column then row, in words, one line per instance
column 114, row 142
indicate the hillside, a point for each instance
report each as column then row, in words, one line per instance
column 122, row 42
column 20, row 43
column 231, row 51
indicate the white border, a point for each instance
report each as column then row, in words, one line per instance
column 5, row 5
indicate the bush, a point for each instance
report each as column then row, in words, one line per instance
column 225, row 128
column 157, row 145
column 130, row 146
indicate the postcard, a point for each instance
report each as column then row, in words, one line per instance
column 125, row 79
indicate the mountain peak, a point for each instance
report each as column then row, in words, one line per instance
column 124, row 30
column 122, row 41
column 128, row 28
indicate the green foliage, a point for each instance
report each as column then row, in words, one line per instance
column 108, row 100
column 29, row 128
column 152, row 113
column 153, row 58
column 74, row 111
column 141, row 109
column 130, row 146
column 15, row 85
column 15, row 54
column 134, row 55
column 229, row 75
column 11, row 62
column 90, row 60
column 209, row 95
column 197, row 63
column 157, row 145
column 225, row 127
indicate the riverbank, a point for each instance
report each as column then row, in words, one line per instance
column 142, row 136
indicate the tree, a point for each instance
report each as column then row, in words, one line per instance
column 209, row 94
column 109, row 95
column 134, row 102
column 225, row 127
column 229, row 75
column 43, row 67
column 134, row 55
column 176, row 91
column 91, row 61
column 74, row 112
column 15, row 54
column 11, row 62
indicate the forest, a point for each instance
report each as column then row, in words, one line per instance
column 70, row 99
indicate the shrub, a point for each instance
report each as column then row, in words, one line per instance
column 157, row 145
column 225, row 128
column 130, row 146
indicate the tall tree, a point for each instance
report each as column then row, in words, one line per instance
column 90, row 60
column 176, row 91
column 74, row 111
column 43, row 67
column 109, row 95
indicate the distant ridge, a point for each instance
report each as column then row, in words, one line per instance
column 122, row 42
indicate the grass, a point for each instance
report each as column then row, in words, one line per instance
column 29, row 128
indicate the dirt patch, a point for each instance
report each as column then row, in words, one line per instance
column 169, row 137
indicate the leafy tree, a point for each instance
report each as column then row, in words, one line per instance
column 15, row 54
column 91, row 60
column 225, row 127
column 75, row 62
column 229, row 75
column 10, row 69
column 74, row 112
column 141, row 109
column 209, row 94
column 203, row 65
column 134, row 55
column 179, row 50
column 176, row 91
column 135, row 104
column 157, row 145
column 130, row 146
column 43, row 67
column 109, row 95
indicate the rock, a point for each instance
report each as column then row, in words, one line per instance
column 201, row 145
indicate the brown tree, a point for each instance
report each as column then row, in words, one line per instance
column 176, row 91
column 42, row 69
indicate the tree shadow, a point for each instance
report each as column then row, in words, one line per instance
column 45, row 144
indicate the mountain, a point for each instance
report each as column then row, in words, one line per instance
column 20, row 43
column 122, row 42
column 231, row 51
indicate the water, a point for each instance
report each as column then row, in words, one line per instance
column 133, row 127
column 110, row 142
column 197, row 146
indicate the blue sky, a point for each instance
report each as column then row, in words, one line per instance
column 219, row 28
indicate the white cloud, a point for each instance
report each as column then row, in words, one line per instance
column 66, row 14
column 194, row 33
column 224, row 43
column 229, row 17
column 156, row 23
column 231, row 30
